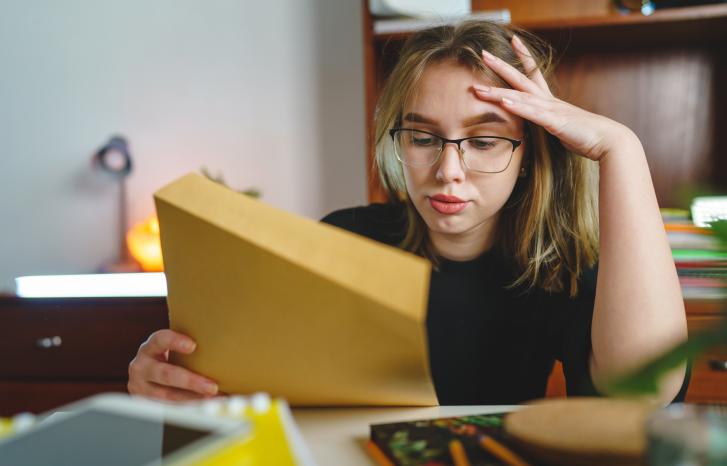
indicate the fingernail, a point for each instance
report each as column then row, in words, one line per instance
column 488, row 56
column 483, row 89
column 210, row 388
column 189, row 345
column 507, row 101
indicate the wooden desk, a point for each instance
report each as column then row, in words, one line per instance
column 337, row 436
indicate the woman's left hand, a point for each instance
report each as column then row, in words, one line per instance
column 580, row 131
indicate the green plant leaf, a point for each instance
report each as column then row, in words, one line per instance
column 719, row 227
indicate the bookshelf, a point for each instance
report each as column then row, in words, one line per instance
column 660, row 75
column 664, row 76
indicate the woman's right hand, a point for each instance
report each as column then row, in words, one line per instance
column 151, row 374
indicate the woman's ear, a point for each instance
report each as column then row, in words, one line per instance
column 525, row 164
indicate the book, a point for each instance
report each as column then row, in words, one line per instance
column 427, row 442
column 697, row 252
column 275, row 439
column 419, row 8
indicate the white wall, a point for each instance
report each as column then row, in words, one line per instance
column 268, row 93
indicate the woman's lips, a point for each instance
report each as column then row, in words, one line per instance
column 447, row 205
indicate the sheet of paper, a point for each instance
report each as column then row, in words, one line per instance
column 286, row 305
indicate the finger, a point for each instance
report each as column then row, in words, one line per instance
column 541, row 117
column 164, row 340
column 531, row 68
column 169, row 375
column 144, row 369
column 160, row 392
column 512, row 76
column 496, row 94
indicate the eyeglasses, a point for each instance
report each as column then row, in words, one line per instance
column 484, row 154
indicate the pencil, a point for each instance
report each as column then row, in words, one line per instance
column 456, row 449
column 377, row 454
column 502, row 452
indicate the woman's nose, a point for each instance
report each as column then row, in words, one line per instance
column 451, row 168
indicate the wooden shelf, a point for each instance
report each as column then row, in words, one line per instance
column 695, row 14
column 702, row 25
column 697, row 24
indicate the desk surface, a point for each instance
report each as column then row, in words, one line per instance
column 337, row 436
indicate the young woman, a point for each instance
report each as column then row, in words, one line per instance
column 521, row 201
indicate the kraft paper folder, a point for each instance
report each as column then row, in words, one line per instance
column 290, row 306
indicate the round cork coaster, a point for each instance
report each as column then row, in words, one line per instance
column 582, row 431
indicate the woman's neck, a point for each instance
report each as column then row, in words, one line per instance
column 467, row 245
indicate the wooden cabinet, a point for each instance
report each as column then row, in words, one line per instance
column 709, row 373
column 54, row 351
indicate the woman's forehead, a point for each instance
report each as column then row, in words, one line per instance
column 446, row 91
column 437, row 74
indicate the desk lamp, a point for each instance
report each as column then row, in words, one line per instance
column 114, row 158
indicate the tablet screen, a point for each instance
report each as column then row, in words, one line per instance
column 99, row 438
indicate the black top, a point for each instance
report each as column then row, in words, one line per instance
column 489, row 344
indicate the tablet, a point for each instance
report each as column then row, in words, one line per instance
column 120, row 430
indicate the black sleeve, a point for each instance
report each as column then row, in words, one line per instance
column 685, row 384
column 574, row 346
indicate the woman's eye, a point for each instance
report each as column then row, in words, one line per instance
column 422, row 141
column 483, row 144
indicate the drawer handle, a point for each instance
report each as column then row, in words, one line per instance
column 49, row 342
column 717, row 365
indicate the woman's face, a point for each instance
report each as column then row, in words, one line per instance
column 444, row 103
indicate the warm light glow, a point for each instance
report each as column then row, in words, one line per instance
column 144, row 245
column 97, row 285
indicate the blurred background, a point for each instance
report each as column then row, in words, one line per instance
column 277, row 98
column 269, row 95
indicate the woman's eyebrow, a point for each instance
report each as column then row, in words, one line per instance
column 488, row 117
column 417, row 118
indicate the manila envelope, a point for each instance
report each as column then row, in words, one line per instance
column 290, row 306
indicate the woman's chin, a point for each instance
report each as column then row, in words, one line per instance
column 450, row 225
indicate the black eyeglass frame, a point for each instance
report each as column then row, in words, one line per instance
column 515, row 144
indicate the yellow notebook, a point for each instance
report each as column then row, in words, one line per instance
column 286, row 305
column 275, row 441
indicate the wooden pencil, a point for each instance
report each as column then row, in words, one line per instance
column 459, row 456
column 377, row 454
column 502, row 452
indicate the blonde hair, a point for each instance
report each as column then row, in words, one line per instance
column 548, row 228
